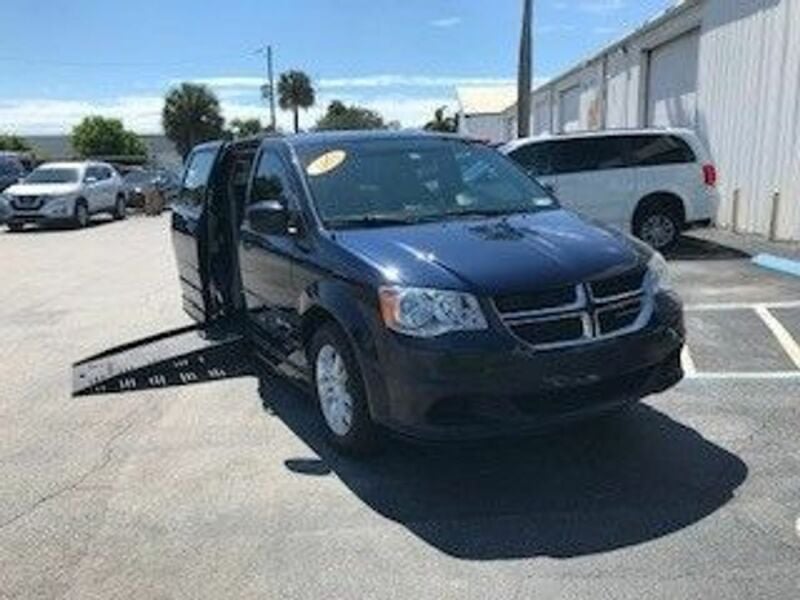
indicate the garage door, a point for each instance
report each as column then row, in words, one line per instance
column 672, row 83
column 541, row 116
column 569, row 109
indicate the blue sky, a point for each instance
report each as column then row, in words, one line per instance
column 61, row 60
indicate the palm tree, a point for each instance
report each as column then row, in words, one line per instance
column 241, row 128
column 191, row 115
column 295, row 92
column 441, row 122
column 525, row 72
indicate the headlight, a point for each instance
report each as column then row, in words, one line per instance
column 56, row 205
column 422, row 312
column 659, row 273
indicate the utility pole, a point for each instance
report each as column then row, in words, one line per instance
column 271, row 89
column 268, row 90
column 525, row 71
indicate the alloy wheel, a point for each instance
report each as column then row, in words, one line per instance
column 82, row 215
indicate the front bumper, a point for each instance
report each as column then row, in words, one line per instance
column 475, row 386
column 57, row 211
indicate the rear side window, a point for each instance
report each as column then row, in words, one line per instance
column 589, row 154
column 195, row 180
column 654, row 150
column 534, row 158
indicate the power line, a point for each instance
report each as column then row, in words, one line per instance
column 117, row 64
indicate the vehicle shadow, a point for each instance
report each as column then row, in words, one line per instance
column 587, row 489
column 593, row 488
column 96, row 221
column 692, row 248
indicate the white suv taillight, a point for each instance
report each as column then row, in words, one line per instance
column 710, row 175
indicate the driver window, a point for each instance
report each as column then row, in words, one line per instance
column 272, row 179
column 91, row 173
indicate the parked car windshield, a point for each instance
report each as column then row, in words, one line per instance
column 404, row 181
column 139, row 177
column 8, row 166
column 53, row 175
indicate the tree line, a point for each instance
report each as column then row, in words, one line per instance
column 192, row 115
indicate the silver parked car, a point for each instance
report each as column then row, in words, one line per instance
column 68, row 192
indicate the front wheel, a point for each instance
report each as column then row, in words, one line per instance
column 340, row 392
column 80, row 218
column 119, row 208
column 659, row 227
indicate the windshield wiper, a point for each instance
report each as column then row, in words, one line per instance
column 369, row 221
column 484, row 212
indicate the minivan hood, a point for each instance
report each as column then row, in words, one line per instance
column 42, row 189
column 518, row 253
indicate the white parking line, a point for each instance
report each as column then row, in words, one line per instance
column 784, row 338
column 755, row 375
column 782, row 335
column 741, row 306
column 687, row 362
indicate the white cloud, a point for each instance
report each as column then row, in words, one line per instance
column 368, row 81
column 143, row 113
column 446, row 22
column 53, row 116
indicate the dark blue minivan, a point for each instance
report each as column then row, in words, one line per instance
column 423, row 284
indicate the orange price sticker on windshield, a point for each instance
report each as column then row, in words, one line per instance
column 326, row 163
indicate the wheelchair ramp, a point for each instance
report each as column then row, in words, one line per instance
column 181, row 357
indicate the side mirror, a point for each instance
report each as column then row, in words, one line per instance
column 269, row 216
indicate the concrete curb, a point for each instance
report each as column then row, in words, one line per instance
column 777, row 263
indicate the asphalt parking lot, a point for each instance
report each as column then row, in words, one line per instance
column 224, row 488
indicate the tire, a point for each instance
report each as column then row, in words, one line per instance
column 119, row 208
column 15, row 227
column 659, row 226
column 340, row 396
column 80, row 217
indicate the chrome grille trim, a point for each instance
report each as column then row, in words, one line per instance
column 520, row 316
column 615, row 298
column 27, row 202
column 589, row 309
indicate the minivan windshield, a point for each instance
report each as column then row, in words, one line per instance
column 411, row 180
column 53, row 175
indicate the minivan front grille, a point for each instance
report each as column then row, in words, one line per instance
column 591, row 311
column 617, row 316
column 547, row 299
column 553, row 330
column 628, row 283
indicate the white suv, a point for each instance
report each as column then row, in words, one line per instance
column 65, row 192
column 654, row 183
